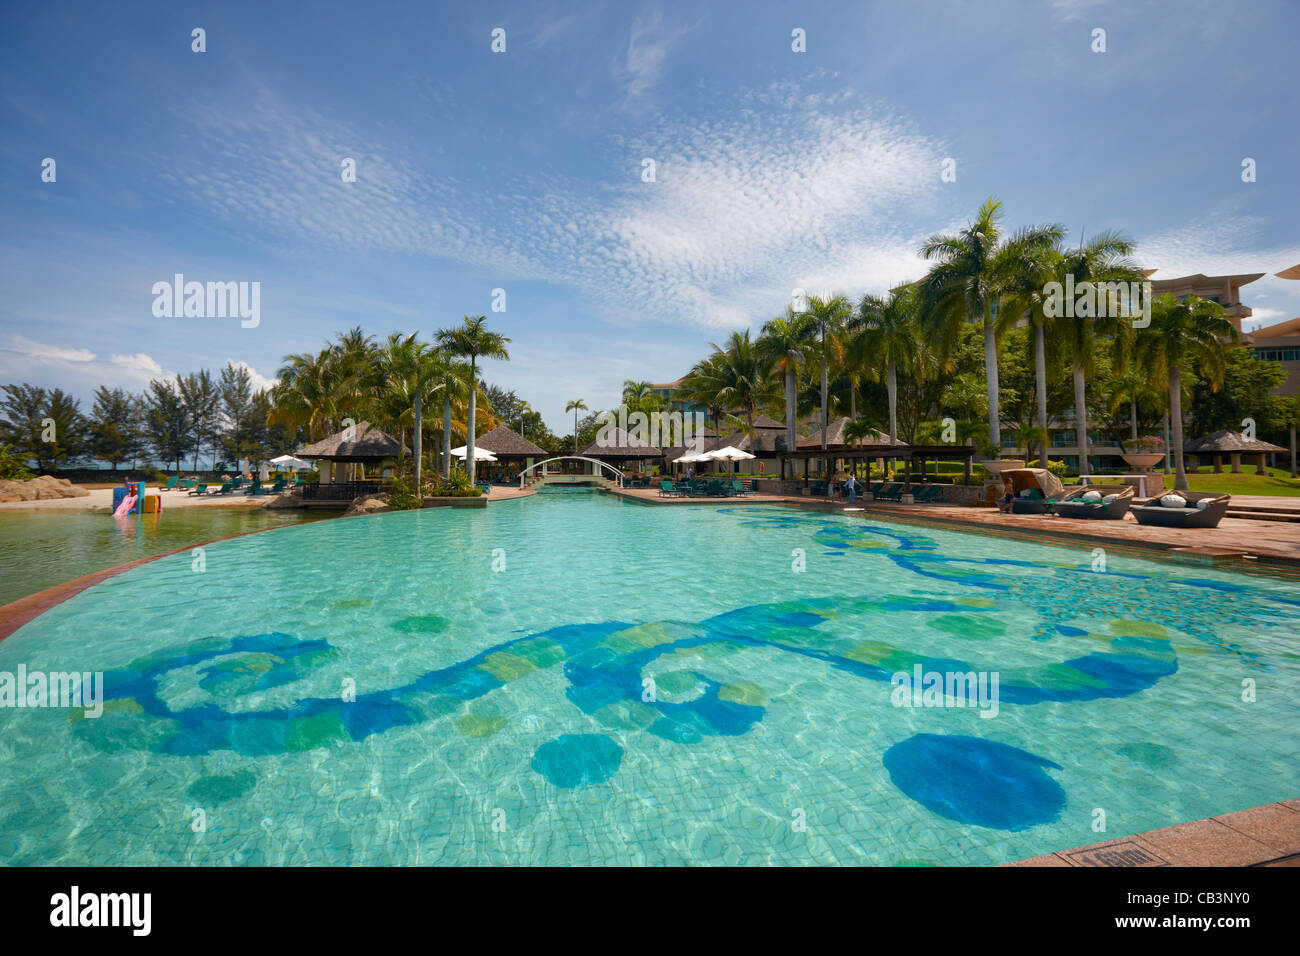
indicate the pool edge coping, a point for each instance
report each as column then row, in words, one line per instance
column 1235, row 839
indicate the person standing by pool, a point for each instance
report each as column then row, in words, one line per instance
column 852, row 485
column 1008, row 496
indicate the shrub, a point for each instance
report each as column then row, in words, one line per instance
column 13, row 466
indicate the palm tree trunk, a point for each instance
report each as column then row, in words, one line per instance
column 446, row 437
column 789, row 409
column 1176, row 420
column 1040, row 376
column 991, row 378
column 417, row 441
column 824, row 395
column 1081, row 420
column 575, row 431
column 891, row 387
column 1293, row 462
column 1133, row 418
column 853, row 399
column 469, row 425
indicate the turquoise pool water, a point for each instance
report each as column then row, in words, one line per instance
column 573, row 679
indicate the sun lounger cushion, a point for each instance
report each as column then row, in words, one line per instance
column 1092, row 496
column 1202, row 504
column 1108, row 499
column 1173, row 501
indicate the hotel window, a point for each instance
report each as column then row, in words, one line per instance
column 1277, row 355
column 1063, row 439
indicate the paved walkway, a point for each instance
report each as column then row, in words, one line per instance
column 1262, row 836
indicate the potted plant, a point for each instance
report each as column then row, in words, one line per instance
column 1143, row 453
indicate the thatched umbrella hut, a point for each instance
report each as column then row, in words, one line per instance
column 363, row 444
column 618, row 448
column 1233, row 444
column 511, row 448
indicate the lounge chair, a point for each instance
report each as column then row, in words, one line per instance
column 225, row 489
column 930, row 493
column 199, row 489
column 739, row 487
column 255, row 488
column 171, row 483
column 666, row 490
column 188, row 484
column 818, row 489
column 888, row 492
column 1073, row 505
column 1206, row 510
column 1034, row 503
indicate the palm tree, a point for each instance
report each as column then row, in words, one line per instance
column 781, row 346
column 1191, row 331
column 1132, row 387
column 973, row 271
column 473, row 341
column 451, row 380
column 575, row 406
column 1102, row 259
column 732, row 378
column 827, row 316
column 887, row 338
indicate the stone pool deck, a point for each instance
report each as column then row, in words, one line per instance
column 1262, row 836
column 1239, row 543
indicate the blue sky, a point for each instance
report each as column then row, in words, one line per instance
column 522, row 170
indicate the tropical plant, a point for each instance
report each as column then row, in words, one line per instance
column 885, row 338
column 1191, row 331
column 575, row 406
column 827, row 315
column 472, row 340
column 781, row 348
column 732, row 378
column 973, row 271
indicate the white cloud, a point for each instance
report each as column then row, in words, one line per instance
column 788, row 190
column 259, row 380
column 1068, row 11
column 648, row 46
column 78, row 370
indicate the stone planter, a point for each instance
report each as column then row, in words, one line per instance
column 996, row 468
column 1143, row 461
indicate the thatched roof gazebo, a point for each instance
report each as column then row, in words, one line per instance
column 620, row 448
column 507, row 444
column 1234, row 445
column 363, row 444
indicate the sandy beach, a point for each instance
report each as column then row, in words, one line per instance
column 101, row 499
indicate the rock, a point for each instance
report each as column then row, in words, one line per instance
column 287, row 500
column 42, row 487
column 367, row 505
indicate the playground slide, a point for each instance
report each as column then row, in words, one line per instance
column 125, row 507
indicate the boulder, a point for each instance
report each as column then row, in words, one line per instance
column 367, row 505
column 286, row 500
column 39, row 488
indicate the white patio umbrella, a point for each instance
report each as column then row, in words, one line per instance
column 693, row 456
column 263, row 472
column 480, row 454
column 729, row 453
column 290, row 463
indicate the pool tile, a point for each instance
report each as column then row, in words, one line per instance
column 1127, row 852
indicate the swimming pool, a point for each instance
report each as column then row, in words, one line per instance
column 574, row 679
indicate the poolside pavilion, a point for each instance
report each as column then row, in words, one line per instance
column 876, row 446
column 513, row 452
column 1234, row 445
column 621, row 450
column 343, row 459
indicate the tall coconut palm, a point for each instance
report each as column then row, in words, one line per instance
column 827, row 315
column 1132, row 387
column 973, row 271
column 732, row 378
column 450, row 382
column 1191, row 331
column 782, row 346
column 575, row 406
column 473, row 341
column 1104, row 258
column 885, row 334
